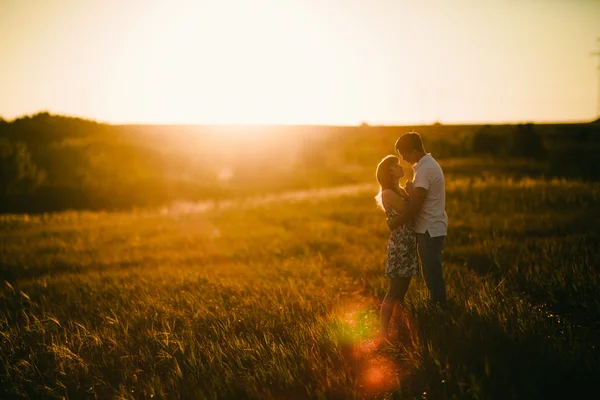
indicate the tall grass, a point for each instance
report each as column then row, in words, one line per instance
column 273, row 299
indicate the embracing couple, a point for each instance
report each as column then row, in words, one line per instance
column 417, row 218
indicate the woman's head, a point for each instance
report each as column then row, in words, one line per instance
column 389, row 172
column 388, row 175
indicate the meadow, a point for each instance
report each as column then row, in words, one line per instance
column 277, row 297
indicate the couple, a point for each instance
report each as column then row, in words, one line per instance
column 417, row 218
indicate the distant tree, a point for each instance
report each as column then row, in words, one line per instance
column 582, row 135
column 18, row 174
column 486, row 141
column 527, row 142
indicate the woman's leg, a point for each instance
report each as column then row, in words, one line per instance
column 395, row 295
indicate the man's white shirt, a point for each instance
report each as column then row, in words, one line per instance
column 429, row 175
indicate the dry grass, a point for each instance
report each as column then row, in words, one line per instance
column 275, row 299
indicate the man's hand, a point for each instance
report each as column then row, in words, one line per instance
column 414, row 207
column 392, row 223
column 410, row 187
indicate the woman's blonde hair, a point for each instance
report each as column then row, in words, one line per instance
column 384, row 177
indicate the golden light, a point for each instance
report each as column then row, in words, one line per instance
column 378, row 373
column 258, row 62
column 380, row 376
column 331, row 62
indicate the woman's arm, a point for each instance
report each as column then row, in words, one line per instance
column 391, row 199
column 403, row 194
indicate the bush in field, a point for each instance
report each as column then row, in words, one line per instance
column 527, row 142
column 18, row 174
column 573, row 151
column 584, row 166
column 488, row 140
column 523, row 140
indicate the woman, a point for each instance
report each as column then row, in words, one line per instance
column 402, row 263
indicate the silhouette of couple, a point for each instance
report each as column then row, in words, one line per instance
column 418, row 222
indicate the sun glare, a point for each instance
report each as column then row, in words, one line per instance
column 255, row 63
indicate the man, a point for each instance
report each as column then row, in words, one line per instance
column 427, row 208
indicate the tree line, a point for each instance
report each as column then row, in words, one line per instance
column 53, row 162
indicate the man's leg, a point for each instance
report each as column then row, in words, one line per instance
column 430, row 251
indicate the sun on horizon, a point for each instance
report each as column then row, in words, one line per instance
column 330, row 62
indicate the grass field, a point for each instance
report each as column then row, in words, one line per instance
column 277, row 298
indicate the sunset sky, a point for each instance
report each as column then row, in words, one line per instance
column 301, row 61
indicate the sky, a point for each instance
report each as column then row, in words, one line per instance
column 334, row 62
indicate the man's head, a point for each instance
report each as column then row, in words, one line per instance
column 410, row 147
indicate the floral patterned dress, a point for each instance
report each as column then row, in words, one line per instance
column 402, row 259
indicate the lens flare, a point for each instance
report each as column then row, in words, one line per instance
column 378, row 370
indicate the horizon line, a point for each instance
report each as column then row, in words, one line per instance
column 364, row 123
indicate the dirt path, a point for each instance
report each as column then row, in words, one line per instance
column 193, row 207
column 187, row 207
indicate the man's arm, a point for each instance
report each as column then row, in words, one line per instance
column 410, row 188
column 414, row 206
